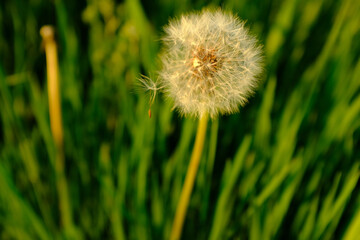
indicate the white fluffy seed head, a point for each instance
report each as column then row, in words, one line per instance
column 210, row 63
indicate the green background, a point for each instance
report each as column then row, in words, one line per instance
column 285, row 167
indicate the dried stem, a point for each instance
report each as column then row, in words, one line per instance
column 47, row 33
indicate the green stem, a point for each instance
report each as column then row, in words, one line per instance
column 189, row 179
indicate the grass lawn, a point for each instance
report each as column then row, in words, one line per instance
column 287, row 166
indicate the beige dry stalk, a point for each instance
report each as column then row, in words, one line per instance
column 47, row 33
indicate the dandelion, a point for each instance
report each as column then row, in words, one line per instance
column 210, row 63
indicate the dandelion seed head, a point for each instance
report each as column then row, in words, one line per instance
column 210, row 63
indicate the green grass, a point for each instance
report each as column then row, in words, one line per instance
column 285, row 167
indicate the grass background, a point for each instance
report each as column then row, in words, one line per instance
column 285, row 167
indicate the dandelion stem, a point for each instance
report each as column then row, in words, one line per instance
column 47, row 33
column 189, row 179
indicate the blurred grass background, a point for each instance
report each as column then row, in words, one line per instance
column 285, row 167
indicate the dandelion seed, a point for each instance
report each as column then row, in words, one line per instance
column 148, row 85
column 210, row 63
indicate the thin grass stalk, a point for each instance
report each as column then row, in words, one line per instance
column 47, row 33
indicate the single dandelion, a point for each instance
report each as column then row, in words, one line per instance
column 210, row 63
column 210, row 66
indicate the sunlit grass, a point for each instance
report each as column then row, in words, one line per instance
column 285, row 167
